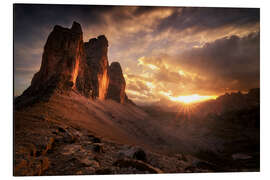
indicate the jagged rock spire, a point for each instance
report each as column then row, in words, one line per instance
column 117, row 85
column 76, row 27
column 69, row 63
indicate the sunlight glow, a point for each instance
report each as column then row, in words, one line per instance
column 192, row 98
column 187, row 99
column 150, row 85
column 151, row 66
column 182, row 73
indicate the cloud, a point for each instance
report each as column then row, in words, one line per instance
column 231, row 58
column 230, row 63
column 200, row 19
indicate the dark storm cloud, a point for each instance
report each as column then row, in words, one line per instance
column 199, row 19
column 230, row 58
column 29, row 19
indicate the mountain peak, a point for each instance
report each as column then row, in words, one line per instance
column 70, row 64
column 76, row 27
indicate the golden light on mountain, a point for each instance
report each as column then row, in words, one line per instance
column 189, row 99
column 192, row 98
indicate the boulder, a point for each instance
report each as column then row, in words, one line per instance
column 98, row 147
column 133, row 152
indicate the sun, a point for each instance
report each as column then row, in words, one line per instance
column 194, row 98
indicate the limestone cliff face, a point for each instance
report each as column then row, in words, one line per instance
column 70, row 64
column 97, row 60
column 61, row 59
column 117, row 85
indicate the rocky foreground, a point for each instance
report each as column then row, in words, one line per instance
column 46, row 148
column 51, row 141
column 98, row 138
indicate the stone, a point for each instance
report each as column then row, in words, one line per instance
column 133, row 152
column 104, row 171
column 70, row 149
column 98, row 147
column 90, row 162
column 140, row 165
column 140, row 155
column 117, row 83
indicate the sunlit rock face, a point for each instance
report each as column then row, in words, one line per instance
column 97, row 60
column 70, row 64
column 61, row 59
column 117, row 85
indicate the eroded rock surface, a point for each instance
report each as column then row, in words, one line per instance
column 70, row 64
column 117, row 85
column 93, row 79
column 44, row 147
column 61, row 59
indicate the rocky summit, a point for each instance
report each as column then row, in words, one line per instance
column 69, row 64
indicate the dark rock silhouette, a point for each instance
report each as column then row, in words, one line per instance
column 236, row 101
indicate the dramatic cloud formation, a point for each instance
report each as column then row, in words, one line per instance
column 163, row 50
column 227, row 64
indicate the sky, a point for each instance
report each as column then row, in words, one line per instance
column 165, row 52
